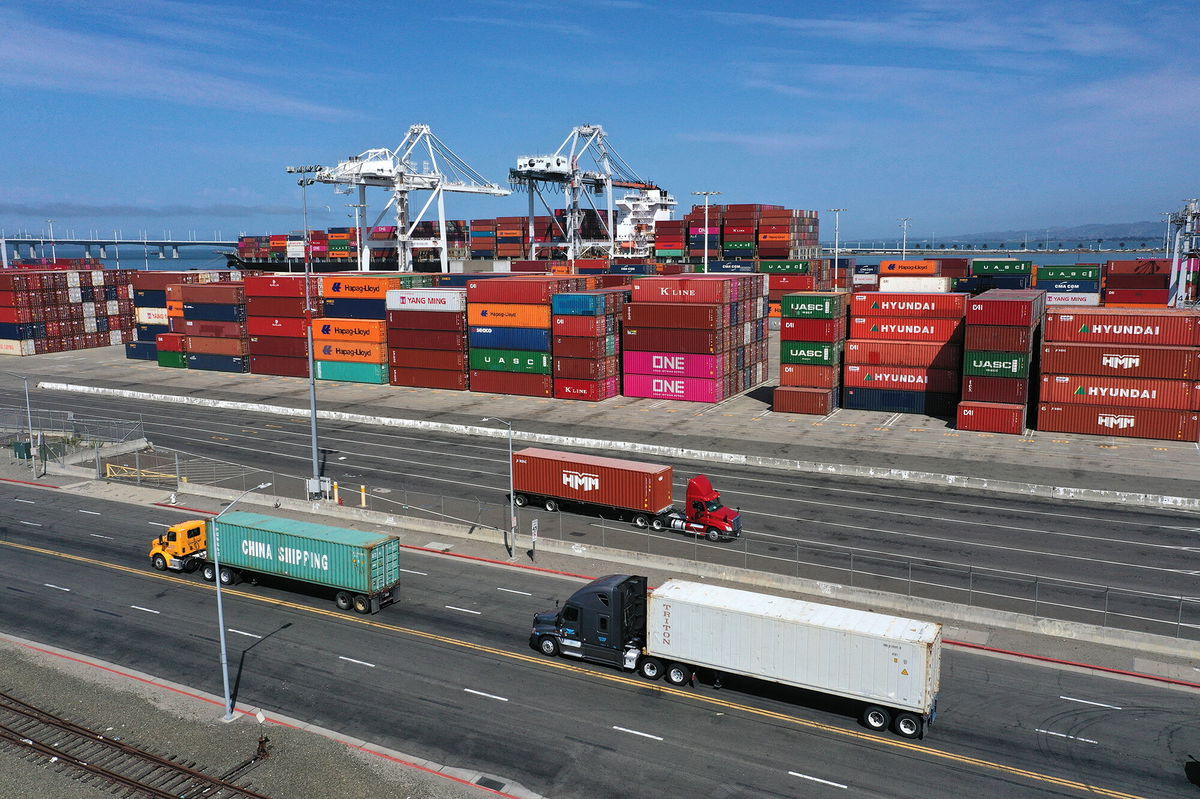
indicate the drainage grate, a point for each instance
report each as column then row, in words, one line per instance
column 488, row 782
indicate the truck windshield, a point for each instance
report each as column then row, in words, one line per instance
column 713, row 506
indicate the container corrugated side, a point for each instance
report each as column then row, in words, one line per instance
column 1007, row 307
column 850, row 653
column 882, row 328
column 991, row 417
column 692, row 316
column 1168, row 327
column 908, row 378
column 904, row 353
column 801, row 399
column 590, row 478
column 1164, row 425
column 448, row 300
column 1124, row 360
column 1127, row 392
column 908, row 306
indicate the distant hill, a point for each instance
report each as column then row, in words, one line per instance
column 1116, row 232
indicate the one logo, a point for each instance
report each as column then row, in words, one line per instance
column 1115, row 421
column 581, row 481
column 1121, row 361
column 337, row 286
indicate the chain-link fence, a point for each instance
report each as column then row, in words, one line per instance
column 1016, row 592
column 67, row 425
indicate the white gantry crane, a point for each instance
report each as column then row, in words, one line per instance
column 584, row 165
column 1185, row 260
column 440, row 171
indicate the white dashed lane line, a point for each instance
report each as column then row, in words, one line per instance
column 145, row 610
column 410, row 571
column 359, row 662
column 514, row 591
column 31, row 524
column 1064, row 735
column 816, row 779
column 463, row 610
column 26, row 501
column 239, row 632
column 158, row 524
column 1088, row 702
column 56, row 587
column 91, row 512
column 97, row 535
column 489, row 696
column 635, row 732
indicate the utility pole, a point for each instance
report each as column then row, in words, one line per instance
column 53, row 250
column 512, row 507
column 904, row 220
column 706, row 195
column 837, row 234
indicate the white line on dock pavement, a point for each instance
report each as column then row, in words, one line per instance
column 1086, row 702
column 410, row 571
column 97, row 535
column 359, row 662
column 91, row 512
column 635, row 732
column 26, row 501
column 816, row 779
column 145, row 610
column 512, row 591
column 56, row 587
column 239, row 632
column 489, row 696
column 1064, row 735
column 158, row 524
column 31, row 524
column 463, row 610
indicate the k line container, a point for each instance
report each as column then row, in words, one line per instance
column 1011, row 390
column 508, row 315
column 855, row 654
column 590, row 478
column 908, row 306
column 815, row 401
column 794, row 374
column 1121, row 360
column 427, row 340
column 351, row 560
column 587, row 390
column 427, row 320
column 898, row 401
column 1124, row 326
column 1126, row 392
column 280, row 366
column 528, row 385
column 996, row 364
column 942, row 381
column 688, row 389
column 682, row 290
column 880, row 328
column 904, row 353
column 449, row 300
column 352, row 371
column 1166, row 425
column 428, row 359
column 450, row 380
column 989, row 417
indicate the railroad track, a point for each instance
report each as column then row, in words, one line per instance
column 131, row 771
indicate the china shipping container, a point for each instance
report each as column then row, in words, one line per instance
column 427, row 340
column 627, row 485
column 278, row 365
column 904, row 353
column 882, row 328
column 1124, row 326
column 991, row 417
column 529, row 385
column 1011, row 390
column 452, row 380
column 428, row 359
column 941, row 381
column 908, row 306
column 815, row 401
column 1125, row 360
column 1156, row 423
column 1126, row 392
column 427, row 320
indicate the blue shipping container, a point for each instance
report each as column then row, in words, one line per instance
column 19, row 331
column 1070, row 286
column 142, row 350
column 218, row 363
column 343, row 308
column 149, row 332
column 214, row 312
column 536, row 339
column 578, row 304
column 144, row 298
column 731, row 266
column 865, row 269
column 631, row 269
column 849, row 263
column 895, row 401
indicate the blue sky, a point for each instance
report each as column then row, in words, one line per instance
column 963, row 116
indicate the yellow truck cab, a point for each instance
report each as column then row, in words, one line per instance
column 182, row 547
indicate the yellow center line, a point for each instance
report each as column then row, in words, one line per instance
column 612, row 678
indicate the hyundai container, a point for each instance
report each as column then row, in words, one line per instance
column 1162, row 424
column 1128, row 392
column 1167, row 327
column 882, row 328
column 908, row 306
column 909, row 378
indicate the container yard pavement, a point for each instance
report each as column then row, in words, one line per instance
column 846, row 441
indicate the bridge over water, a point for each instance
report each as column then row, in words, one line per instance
column 44, row 246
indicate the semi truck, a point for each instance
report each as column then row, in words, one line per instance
column 891, row 666
column 642, row 492
column 360, row 569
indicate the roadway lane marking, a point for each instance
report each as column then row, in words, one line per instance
column 514, row 591
column 239, row 632
column 489, row 696
column 97, row 535
column 26, row 501
column 410, row 571
column 1064, row 735
column 31, row 524
column 56, row 587
column 359, row 662
column 1086, row 702
column 463, row 610
column 145, row 610
column 816, row 779
column 92, row 512
column 635, row 732
column 158, row 524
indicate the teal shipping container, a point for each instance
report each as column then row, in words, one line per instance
column 351, row 372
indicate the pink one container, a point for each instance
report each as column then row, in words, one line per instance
column 673, row 364
column 689, row 389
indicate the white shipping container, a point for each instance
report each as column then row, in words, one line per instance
column 152, row 316
column 112, row 307
column 918, row 285
column 89, row 309
column 449, row 299
column 89, row 324
column 864, row 280
column 1073, row 299
column 97, row 278
column 74, row 294
column 116, row 336
column 852, row 653
column 13, row 346
column 73, row 281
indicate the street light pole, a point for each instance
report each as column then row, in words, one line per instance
column 706, row 195
column 216, row 545
column 53, row 250
column 904, row 220
column 512, row 507
column 837, row 235
column 28, row 418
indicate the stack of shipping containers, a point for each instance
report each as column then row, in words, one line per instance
column 277, row 322
column 512, row 236
column 670, row 239
column 811, row 338
column 1133, row 284
column 700, row 338
column 1121, row 372
column 59, row 310
column 1077, row 285
column 786, row 233
column 214, row 323
column 153, row 317
column 586, row 325
column 350, row 341
column 996, row 273
column 427, row 338
column 897, row 356
column 1001, row 345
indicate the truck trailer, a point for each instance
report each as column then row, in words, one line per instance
column 890, row 665
column 642, row 492
column 362, row 569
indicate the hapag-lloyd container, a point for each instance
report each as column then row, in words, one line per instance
column 904, row 353
column 651, row 339
column 428, row 359
column 881, row 328
column 283, row 286
column 365, row 287
column 583, row 325
column 278, row 365
column 1168, row 327
column 673, row 364
column 795, row 374
column 427, row 339
column 815, row 353
column 688, row 389
column 584, row 347
column 510, row 338
column 587, row 390
column 1129, row 392
column 1168, row 425
column 507, row 314
column 998, row 338
column 427, row 320
column 450, row 300
column 590, row 478
column 941, row 381
column 812, row 329
column 1014, row 390
column 996, row 364
column 1124, row 360
column 586, row 368
column 815, row 401
column 683, row 289
column 689, row 316
column 449, row 379
column 365, row 330
column 277, row 326
column 278, row 346
column 991, row 417
column 350, row 351
column 527, row 385
column 908, row 306
column 1007, row 307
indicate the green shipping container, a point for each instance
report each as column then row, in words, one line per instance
column 668, row 252
column 813, row 306
column 786, row 267
column 1001, row 266
column 737, row 245
column 810, row 353
column 533, row 363
column 350, row 372
column 978, row 363
column 350, row 560
column 175, row 360
column 1068, row 273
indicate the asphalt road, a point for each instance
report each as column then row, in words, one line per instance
column 1029, row 555
column 447, row 674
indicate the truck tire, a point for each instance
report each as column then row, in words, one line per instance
column 343, row 601
column 228, row 576
column 712, row 534
column 548, row 646
column 208, row 572
column 908, row 725
column 876, row 719
column 159, row 562
column 520, row 500
column 657, row 525
column 362, row 604
column 678, row 674
column 190, row 565
column 641, row 521
column 550, row 505
column 650, row 668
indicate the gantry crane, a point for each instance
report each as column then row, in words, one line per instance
column 396, row 170
column 1185, row 262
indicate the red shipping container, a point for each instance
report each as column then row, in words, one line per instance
column 512, row 383
column 790, row 282
column 683, row 289
column 199, row 327
column 991, row 417
column 904, row 378
column 427, row 340
column 278, row 365
column 448, row 360
column 153, row 280
column 1165, row 425
column 587, row 390
column 812, row 329
column 1167, row 327
column 1119, row 281
column 18, row 315
column 1143, row 266
column 677, row 315
column 903, row 353
column 427, row 320
column 1017, row 308
column 214, row 293
column 661, row 339
column 449, row 379
column 276, row 326
column 283, row 286
column 882, row 328
column 1147, row 296
column 998, row 338
column 1121, row 392
column 171, row 342
column 280, row 306
column 278, row 346
column 215, row 346
column 586, row 368
column 583, row 325
column 1012, row 390
column 795, row 374
column 1123, row 360
column 815, row 401
column 531, row 290
column 908, row 306
column 584, row 347
column 628, row 485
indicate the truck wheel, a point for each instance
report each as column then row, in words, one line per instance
column 712, row 534
column 908, row 725
column 362, row 604
column 190, row 565
column 159, row 562
column 876, row 718
column 520, row 500
column 657, row 524
column 548, row 646
column 650, row 668
column 678, row 674
column 343, row 600
column 641, row 521
column 550, row 505
column 208, row 572
column 228, row 576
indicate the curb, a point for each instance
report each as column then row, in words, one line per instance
column 732, row 459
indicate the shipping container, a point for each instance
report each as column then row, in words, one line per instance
column 278, row 346
column 1000, row 338
column 677, row 364
column 990, row 417
column 1067, row 273
column 701, row 290
column 584, row 347
column 587, row 368
column 1137, row 296
column 439, row 300
column 528, row 385
column 210, row 312
column 690, row 316
column 151, row 316
column 280, row 306
column 1168, row 327
column 583, row 325
column 508, row 315
column 689, row 389
column 172, row 360
column 1001, row 307
column 214, row 346
column 794, row 374
column 352, row 371
column 1011, row 390
column 996, row 364
column 823, row 305
column 278, row 365
column 1142, row 266
column 815, row 353
column 354, row 308
column 894, row 267
column 362, row 287
column 293, row 286
column 1125, row 360
column 909, row 378
column 1069, row 286
column 520, row 290
column 1083, row 300
column 217, row 363
column 897, row 401
column 587, row 390
column 815, row 401
column 350, row 351
column 908, row 306
column 812, row 329
column 650, row 339
column 427, row 340
column 135, row 350
column 509, row 360
column 882, row 328
column 904, row 353
column 1000, row 266
column 1128, row 392
column 448, row 379
column 367, row 331
column 1120, row 281
column 626, row 485
column 915, row 285
column 428, row 359
column 427, row 320
column 1166, row 425
column 213, row 293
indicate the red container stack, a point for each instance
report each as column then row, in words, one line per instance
column 58, row 310
column 1000, row 360
column 214, row 323
column 587, row 324
column 1122, row 372
column 277, row 322
column 812, row 337
column 1143, row 283
column 427, row 338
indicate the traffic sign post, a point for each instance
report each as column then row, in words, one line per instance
column 533, row 528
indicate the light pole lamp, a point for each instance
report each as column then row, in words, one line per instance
column 904, row 220
column 837, row 235
column 706, row 195
column 216, row 548
column 28, row 417
column 512, row 506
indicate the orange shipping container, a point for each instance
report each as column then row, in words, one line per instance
column 908, row 267
column 175, row 309
column 353, row 351
column 508, row 315
column 370, row 287
column 373, row 331
column 774, row 237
